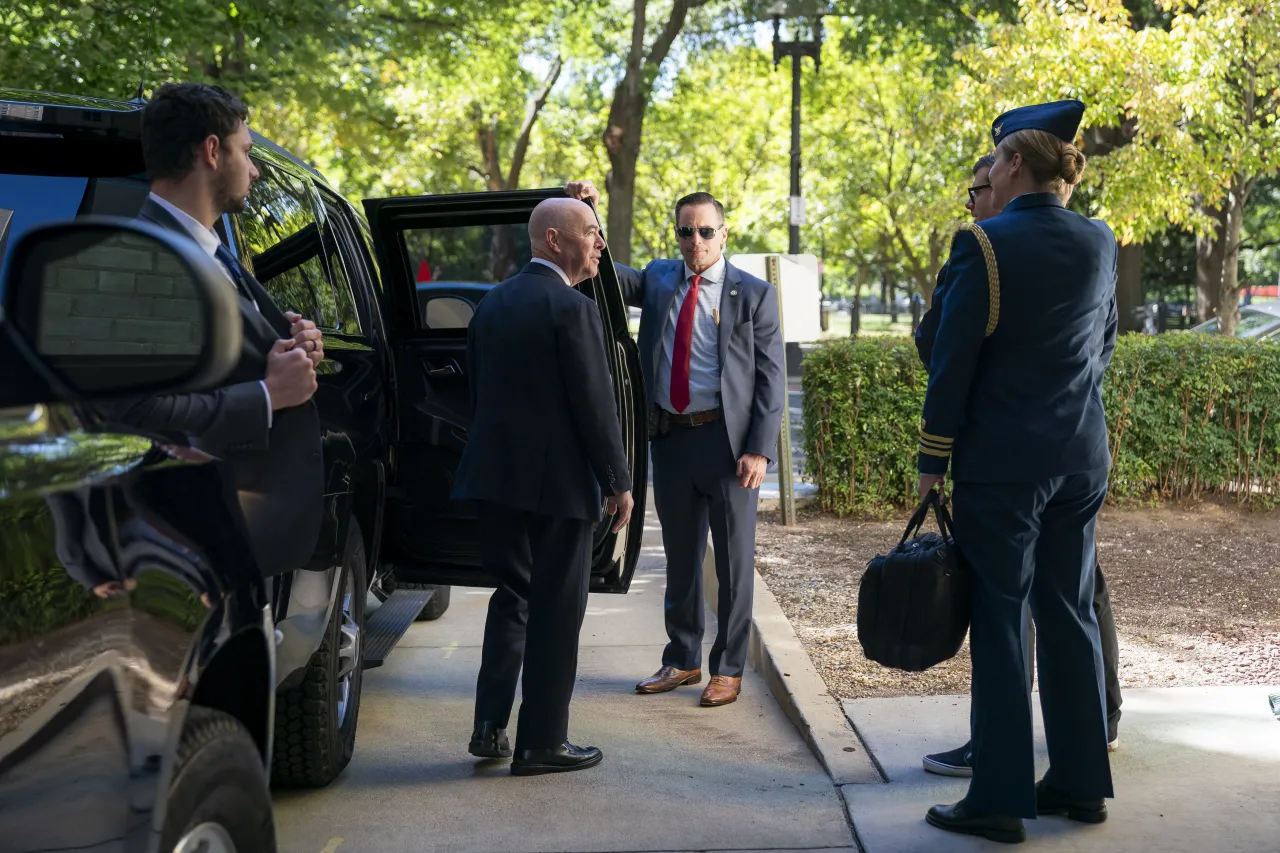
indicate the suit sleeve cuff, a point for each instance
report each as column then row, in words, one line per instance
column 927, row 464
column 267, row 395
column 934, row 453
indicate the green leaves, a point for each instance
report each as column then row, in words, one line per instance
column 1188, row 415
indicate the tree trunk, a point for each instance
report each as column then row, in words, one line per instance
column 1209, row 271
column 1218, row 259
column 1129, row 299
column 1229, row 298
column 622, row 135
column 502, row 251
column 855, row 310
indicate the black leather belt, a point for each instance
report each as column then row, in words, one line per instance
column 661, row 421
column 693, row 419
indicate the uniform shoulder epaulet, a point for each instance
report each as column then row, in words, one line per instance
column 993, row 274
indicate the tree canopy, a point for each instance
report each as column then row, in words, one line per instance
column 655, row 98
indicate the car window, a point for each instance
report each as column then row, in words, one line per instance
column 446, row 313
column 1254, row 323
column 30, row 200
column 340, row 253
column 465, row 254
column 476, row 254
column 366, row 240
column 285, row 246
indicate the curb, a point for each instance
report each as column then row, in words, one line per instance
column 775, row 652
column 772, row 504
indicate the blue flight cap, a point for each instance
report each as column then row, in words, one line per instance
column 1061, row 118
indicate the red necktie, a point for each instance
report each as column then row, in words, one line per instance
column 684, row 347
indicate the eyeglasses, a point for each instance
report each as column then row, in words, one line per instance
column 706, row 232
column 974, row 190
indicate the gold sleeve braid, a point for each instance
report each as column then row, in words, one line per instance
column 941, row 446
column 993, row 274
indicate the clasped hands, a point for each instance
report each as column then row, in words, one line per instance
column 291, row 364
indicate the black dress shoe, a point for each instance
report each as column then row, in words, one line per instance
column 1052, row 801
column 489, row 741
column 961, row 818
column 557, row 759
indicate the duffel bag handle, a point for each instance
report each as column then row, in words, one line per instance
column 945, row 525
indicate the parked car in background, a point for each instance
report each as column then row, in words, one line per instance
column 1260, row 320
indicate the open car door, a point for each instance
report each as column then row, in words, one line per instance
column 439, row 256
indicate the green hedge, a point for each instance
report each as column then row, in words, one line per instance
column 1189, row 415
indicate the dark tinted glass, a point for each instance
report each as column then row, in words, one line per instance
column 285, row 246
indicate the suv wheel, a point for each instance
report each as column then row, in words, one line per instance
column 316, row 720
column 218, row 800
column 438, row 604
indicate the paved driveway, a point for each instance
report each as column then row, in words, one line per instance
column 676, row 777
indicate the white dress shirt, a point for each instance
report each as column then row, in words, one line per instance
column 210, row 243
column 559, row 271
column 704, row 355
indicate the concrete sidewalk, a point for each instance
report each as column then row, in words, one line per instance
column 676, row 777
column 1198, row 771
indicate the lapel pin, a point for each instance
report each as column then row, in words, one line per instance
column 733, row 293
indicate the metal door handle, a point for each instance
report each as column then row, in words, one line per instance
column 447, row 370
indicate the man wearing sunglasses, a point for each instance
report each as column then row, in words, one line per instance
column 959, row 761
column 711, row 355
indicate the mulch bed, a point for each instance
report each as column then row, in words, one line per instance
column 1195, row 589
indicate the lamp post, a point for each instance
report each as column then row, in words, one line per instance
column 797, row 50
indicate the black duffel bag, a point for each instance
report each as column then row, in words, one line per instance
column 914, row 602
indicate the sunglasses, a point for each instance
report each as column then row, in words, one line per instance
column 973, row 192
column 706, row 232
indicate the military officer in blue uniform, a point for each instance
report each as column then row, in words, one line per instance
column 959, row 761
column 1014, row 409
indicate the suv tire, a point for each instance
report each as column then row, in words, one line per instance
column 434, row 608
column 315, row 734
column 219, row 789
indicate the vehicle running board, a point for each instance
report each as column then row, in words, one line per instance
column 387, row 624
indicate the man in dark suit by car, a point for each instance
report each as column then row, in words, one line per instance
column 544, row 444
column 711, row 354
column 196, row 147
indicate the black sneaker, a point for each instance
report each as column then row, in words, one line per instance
column 957, row 762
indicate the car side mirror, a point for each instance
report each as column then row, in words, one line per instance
column 105, row 306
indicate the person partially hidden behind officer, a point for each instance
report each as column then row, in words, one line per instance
column 262, row 421
column 959, row 761
column 1014, row 407
column 711, row 355
column 544, row 443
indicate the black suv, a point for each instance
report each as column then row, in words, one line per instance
column 393, row 294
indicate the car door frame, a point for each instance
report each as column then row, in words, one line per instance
column 614, row 556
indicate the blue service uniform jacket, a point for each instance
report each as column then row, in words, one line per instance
column 1025, row 402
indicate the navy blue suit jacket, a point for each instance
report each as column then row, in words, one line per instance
column 544, row 436
column 1024, row 404
column 753, row 385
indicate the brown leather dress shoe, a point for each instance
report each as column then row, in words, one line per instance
column 669, row 678
column 721, row 691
